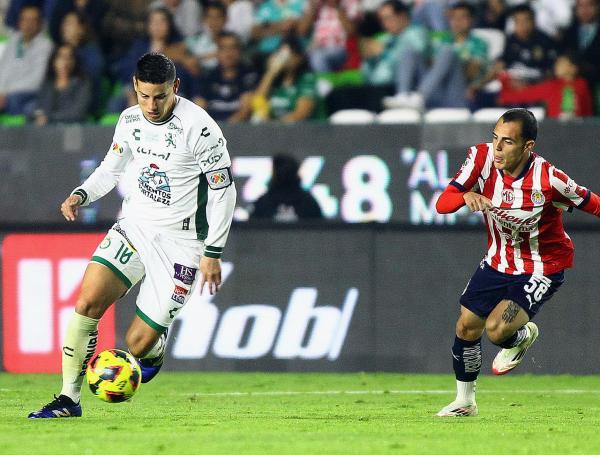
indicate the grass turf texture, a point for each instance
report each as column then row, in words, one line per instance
column 384, row 413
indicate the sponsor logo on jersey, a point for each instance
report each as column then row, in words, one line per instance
column 172, row 126
column 508, row 196
column 184, row 274
column 144, row 151
column 180, row 290
column 212, row 159
column 130, row 118
column 205, row 132
column 178, row 298
column 117, row 148
column 220, row 143
column 154, row 184
column 516, row 220
column 537, row 197
column 136, row 134
column 218, row 179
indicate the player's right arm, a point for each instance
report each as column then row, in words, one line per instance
column 459, row 191
column 104, row 178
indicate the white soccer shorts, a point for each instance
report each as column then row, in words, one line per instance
column 167, row 268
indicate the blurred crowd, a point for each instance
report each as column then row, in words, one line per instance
column 290, row 60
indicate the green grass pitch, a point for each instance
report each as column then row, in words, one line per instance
column 268, row 413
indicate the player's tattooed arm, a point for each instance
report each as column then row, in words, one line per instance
column 510, row 313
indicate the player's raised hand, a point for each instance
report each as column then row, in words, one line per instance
column 69, row 208
column 477, row 202
column 210, row 272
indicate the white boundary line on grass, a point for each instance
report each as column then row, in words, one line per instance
column 275, row 393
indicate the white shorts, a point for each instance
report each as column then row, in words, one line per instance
column 167, row 268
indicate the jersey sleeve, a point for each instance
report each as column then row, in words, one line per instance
column 106, row 176
column 467, row 176
column 210, row 151
column 565, row 192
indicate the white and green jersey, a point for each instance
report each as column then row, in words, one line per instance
column 177, row 174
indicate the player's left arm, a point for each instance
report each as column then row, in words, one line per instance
column 215, row 163
column 566, row 193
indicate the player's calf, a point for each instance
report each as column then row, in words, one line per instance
column 514, row 349
column 152, row 361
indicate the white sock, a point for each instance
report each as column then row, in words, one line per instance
column 80, row 344
column 465, row 392
column 157, row 349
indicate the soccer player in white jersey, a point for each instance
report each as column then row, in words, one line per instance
column 175, row 222
column 522, row 197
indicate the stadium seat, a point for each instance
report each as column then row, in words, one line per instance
column 12, row 120
column 447, row 115
column 495, row 40
column 352, row 117
column 539, row 112
column 405, row 115
column 488, row 114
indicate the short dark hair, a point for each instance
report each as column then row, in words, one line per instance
column 523, row 8
column 233, row 35
column 463, row 5
column 155, row 68
column 216, row 5
column 529, row 126
column 397, row 6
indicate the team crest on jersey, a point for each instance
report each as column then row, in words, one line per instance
column 154, row 183
column 170, row 140
column 537, row 197
column 117, row 148
column 508, row 196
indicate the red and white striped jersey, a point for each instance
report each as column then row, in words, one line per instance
column 525, row 229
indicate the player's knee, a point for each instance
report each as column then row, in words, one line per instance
column 465, row 332
column 497, row 333
column 88, row 307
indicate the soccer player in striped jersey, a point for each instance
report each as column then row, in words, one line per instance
column 521, row 196
column 173, row 158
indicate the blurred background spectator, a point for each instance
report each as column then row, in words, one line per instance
column 565, row 95
column 287, row 91
column 162, row 36
column 414, row 53
column 92, row 11
column 459, row 61
column 226, row 90
column 529, row 53
column 186, row 14
column 66, row 93
column 492, row 14
column 430, row 14
column 23, row 62
column 76, row 32
column 392, row 61
column 123, row 23
column 240, row 18
column 204, row 45
column 328, row 25
column 583, row 38
column 273, row 20
column 285, row 200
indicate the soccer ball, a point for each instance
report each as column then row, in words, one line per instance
column 113, row 375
